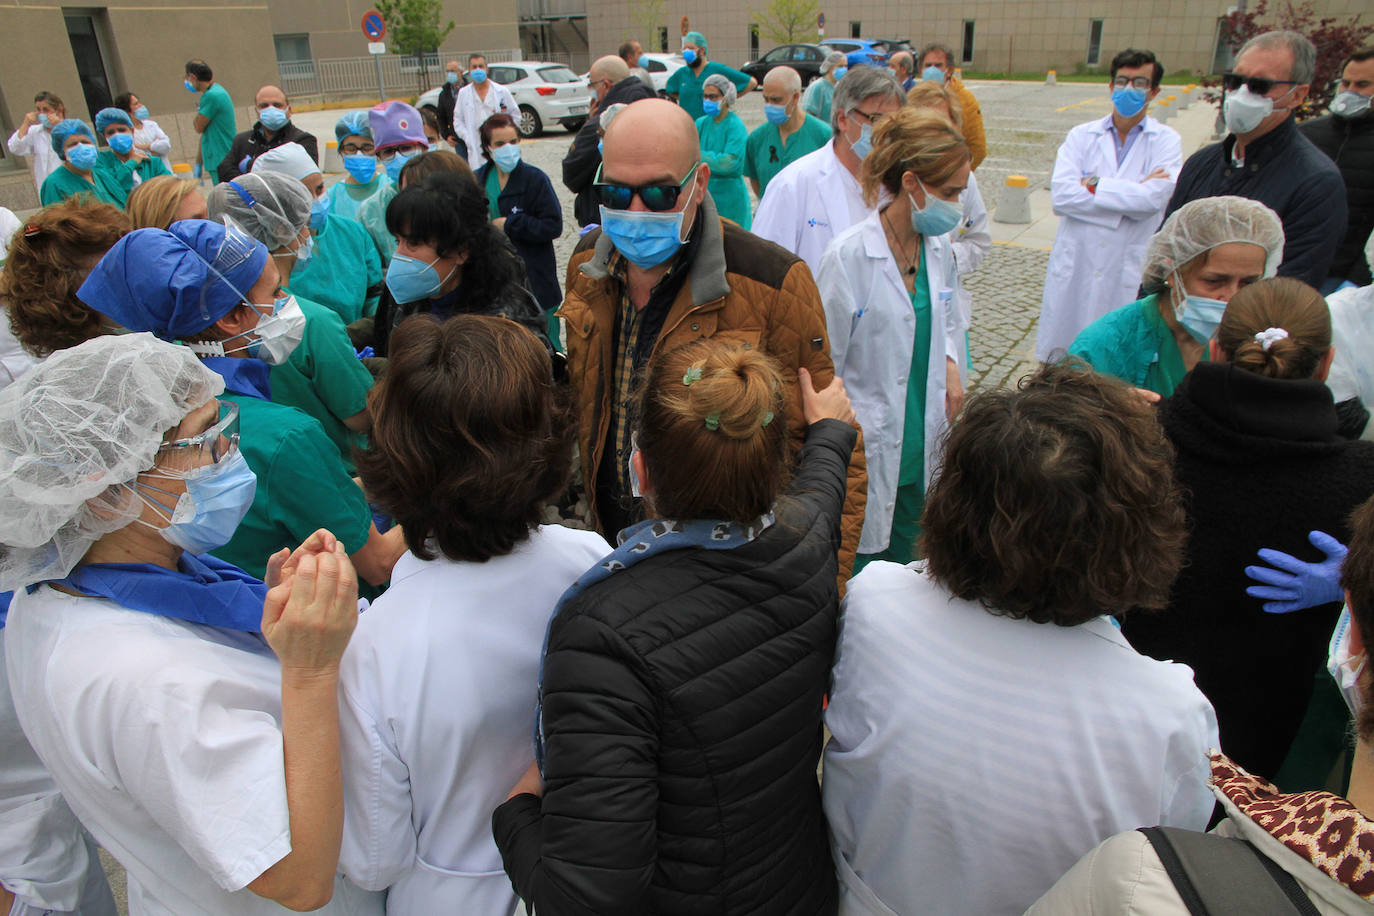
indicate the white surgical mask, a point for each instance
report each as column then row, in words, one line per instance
column 1244, row 110
column 272, row 341
column 1343, row 666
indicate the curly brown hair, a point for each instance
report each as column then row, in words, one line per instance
column 1056, row 501
column 715, row 447
column 1277, row 303
column 49, row 259
column 470, row 439
column 1357, row 578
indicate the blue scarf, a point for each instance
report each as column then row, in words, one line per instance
column 202, row 589
column 245, row 377
column 638, row 543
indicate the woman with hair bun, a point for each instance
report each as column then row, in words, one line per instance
column 683, row 675
column 1262, row 464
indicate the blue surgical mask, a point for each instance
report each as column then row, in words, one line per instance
column 361, row 167
column 643, row 62
column 644, row 237
column 601, row 147
column 217, row 498
column 477, row 76
column 1128, row 101
column 121, row 143
column 190, row 86
column 864, row 145
column 938, row 217
column 933, row 75
column 411, row 280
column 711, row 107
column 83, row 156
column 776, row 114
column 1198, row 315
column 273, row 118
column 840, row 72
column 141, row 112
column 689, row 55
column 319, row 211
column 43, row 119
column 450, row 77
column 396, row 163
column 506, row 157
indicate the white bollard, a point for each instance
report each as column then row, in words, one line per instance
column 1163, row 110
column 1052, row 78
column 333, row 163
column 1013, row 204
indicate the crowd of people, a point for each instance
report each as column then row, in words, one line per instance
column 357, row 562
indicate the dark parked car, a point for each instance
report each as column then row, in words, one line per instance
column 805, row 59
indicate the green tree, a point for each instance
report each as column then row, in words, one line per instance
column 786, row 21
column 413, row 29
column 646, row 17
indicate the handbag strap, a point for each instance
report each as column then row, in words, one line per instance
column 1216, row 875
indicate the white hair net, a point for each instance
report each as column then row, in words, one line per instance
column 1202, row 225
column 726, row 87
column 75, row 430
column 271, row 207
column 289, row 159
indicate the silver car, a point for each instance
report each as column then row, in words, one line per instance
column 546, row 92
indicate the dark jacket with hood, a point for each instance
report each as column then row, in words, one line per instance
column 534, row 219
column 1350, row 144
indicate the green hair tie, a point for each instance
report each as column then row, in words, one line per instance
column 693, row 375
column 713, row 421
column 768, row 418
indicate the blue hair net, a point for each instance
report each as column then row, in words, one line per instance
column 175, row 283
column 64, row 129
column 107, row 116
column 355, row 122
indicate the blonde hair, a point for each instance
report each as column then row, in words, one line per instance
column 153, row 203
column 912, row 140
column 930, row 94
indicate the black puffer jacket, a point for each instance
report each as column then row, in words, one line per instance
column 1350, row 144
column 1261, row 465
column 682, row 715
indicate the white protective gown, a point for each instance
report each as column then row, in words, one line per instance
column 971, row 241
column 808, row 203
column 438, row 692
column 37, row 145
column 1100, row 246
column 1352, row 334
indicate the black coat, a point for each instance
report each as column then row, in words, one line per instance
column 1261, row 465
column 1290, row 176
column 534, row 219
column 448, row 98
column 255, row 142
column 1350, row 144
column 580, row 165
column 682, row 717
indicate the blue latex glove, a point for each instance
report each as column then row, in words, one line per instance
column 245, row 164
column 366, row 352
column 1295, row 585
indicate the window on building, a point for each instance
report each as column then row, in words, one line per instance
column 966, row 56
column 856, row 28
column 292, row 47
column 1094, row 42
column 753, row 41
column 663, row 39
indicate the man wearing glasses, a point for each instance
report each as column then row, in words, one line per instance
column 1266, row 158
column 663, row 270
column 1112, row 179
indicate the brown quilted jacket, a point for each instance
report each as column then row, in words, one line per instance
column 740, row 288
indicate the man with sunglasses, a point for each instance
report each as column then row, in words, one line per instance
column 1112, row 179
column 664, row 269
column 1266, row 158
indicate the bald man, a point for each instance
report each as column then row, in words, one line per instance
column 611, row 81
column 787, row 133
column 629, row 298
column 272, row 129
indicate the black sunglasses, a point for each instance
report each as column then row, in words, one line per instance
column 1259, row 85
column 657, row 197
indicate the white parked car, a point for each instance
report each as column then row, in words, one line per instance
column 661, row 67
column 546, row 92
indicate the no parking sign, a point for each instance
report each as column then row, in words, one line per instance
column 374, row 26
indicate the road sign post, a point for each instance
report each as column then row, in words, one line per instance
column 820, row 26
column 374, row 27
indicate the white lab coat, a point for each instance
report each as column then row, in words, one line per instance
column 165, row 739
column 37, row 145
column 971, row 242
column 470, row 111
column 872, row 329
column 1352, row 334
column 808, row 204
column 46, row 859
column 1100, row 246
column 437, row 717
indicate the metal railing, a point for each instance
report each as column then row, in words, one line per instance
column 401, row 74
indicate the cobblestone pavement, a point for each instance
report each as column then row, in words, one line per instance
column 1006, row 309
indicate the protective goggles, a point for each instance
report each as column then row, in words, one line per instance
column 219, row 440
column 1259, row 85
column 657, row 197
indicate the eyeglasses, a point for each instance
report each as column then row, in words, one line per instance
column 1259, row 85
column 352, row 149
column 657, row 197
column 388, row 154
column 876, row 118
column 221, row 439
column 1139, row 82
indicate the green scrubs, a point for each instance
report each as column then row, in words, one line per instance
column 723, row 146
column 301, row 486
column 817, row 98
column 911, row 487
column 686, row 85
column 216, row 105
column 372, row 214
column 1134, row 344
column 766, row 154
column 493, row 193
column 324, row 377
column 63, row 183
column 115, row 176
column 346, row 272
column 346, row 198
